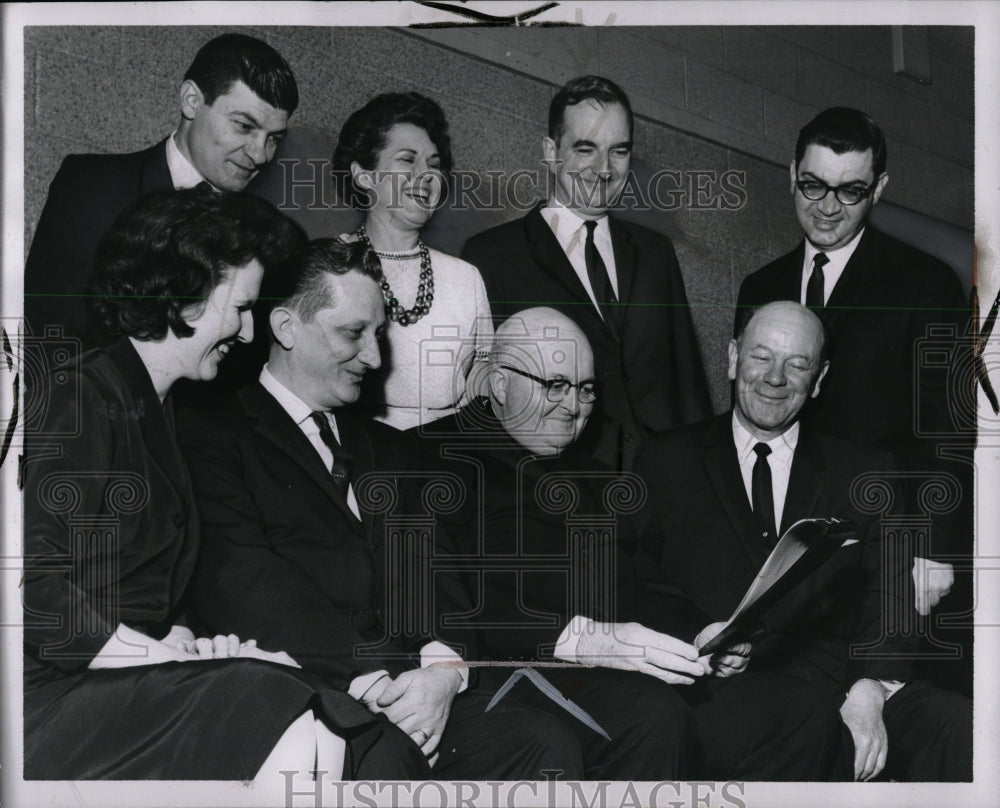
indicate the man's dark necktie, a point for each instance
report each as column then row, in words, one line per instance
column 599, row 280
column 342, row 460
column 763, row 495
column 815, row 288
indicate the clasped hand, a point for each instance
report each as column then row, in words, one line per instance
column 632, row 646
column 724, row 663
column 418, row 702
column 221, row 646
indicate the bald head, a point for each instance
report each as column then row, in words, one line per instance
column 532, row 350
column 777, row 365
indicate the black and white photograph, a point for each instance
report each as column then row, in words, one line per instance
column 500, row 404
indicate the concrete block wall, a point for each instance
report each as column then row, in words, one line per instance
column 708, row 100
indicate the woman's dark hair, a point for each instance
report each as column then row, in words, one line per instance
column 169, row 250
column 842, row 130
column 364, row 136
column 229, row 58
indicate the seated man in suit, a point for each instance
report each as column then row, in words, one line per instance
column 619, row 281
column 719, row 494
column 235, row 102
column 554, row 579
column 300, row 506
column 877, row 297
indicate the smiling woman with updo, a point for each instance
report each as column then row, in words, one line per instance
column 391, row 161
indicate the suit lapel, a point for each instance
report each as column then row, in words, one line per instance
column 277, row 427
column 723, row 470
column 626, row 260
column 806, row 482
column 851, row 290
column 155, row 170
column 356, row 440
column 549, row 255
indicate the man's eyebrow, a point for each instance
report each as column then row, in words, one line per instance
column 842, row 185
column 259, row 124
column 578, row 143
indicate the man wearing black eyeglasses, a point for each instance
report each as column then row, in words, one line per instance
column 550, row 566
column 877, row 298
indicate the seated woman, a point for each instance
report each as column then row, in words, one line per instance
column 115, row 687
column 391, row 160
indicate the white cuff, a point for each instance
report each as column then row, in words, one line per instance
column 891, row 687
column 437, row 653
column 360, row 684
column 569, row 640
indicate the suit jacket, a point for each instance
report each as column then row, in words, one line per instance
column 880, row 390
column 652, row 372
column 697, row 530
column 540, row 544
column 285, row 560
column 85, row 197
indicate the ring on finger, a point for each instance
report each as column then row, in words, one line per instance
column 423, row 734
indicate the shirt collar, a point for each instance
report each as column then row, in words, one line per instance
column 566, row 223
column 782, row 446
column 182, row 173
column 290, row 403
column 839, row 257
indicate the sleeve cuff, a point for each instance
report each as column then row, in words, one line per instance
column 569, row 640
column 361, row 684
column 437, row 653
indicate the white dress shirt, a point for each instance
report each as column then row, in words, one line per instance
column 832, row 270
column 182, row 173
column 780, row 462
column 300, row 412
column 568, row 228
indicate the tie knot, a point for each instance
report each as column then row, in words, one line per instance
column 820, row 260
column 762, row 450
column 590, row 224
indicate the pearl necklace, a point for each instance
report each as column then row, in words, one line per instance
column 425, row 291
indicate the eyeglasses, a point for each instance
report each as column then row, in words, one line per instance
column 557, row 389
column 815, row 190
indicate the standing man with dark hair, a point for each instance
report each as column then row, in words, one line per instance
column 618, row 280
column 235, row 102
column 877, row 297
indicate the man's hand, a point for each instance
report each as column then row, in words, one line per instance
column 862, row 713
column 633, row 647
column 932, row 580
column 419, row 701
column 723, row 663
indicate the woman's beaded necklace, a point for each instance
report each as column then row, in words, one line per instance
column 425, row 291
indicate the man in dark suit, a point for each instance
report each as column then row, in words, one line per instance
column 618, row 280
column 878, row 298
column 719, row 494
column 235, row 102
column 552, row 568
column 315, row 532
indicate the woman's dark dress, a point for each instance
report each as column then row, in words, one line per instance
column 111, row 537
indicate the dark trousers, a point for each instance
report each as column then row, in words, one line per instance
column 510, row 742
column 930, row 737
column 651, row 728
column 761, row 725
